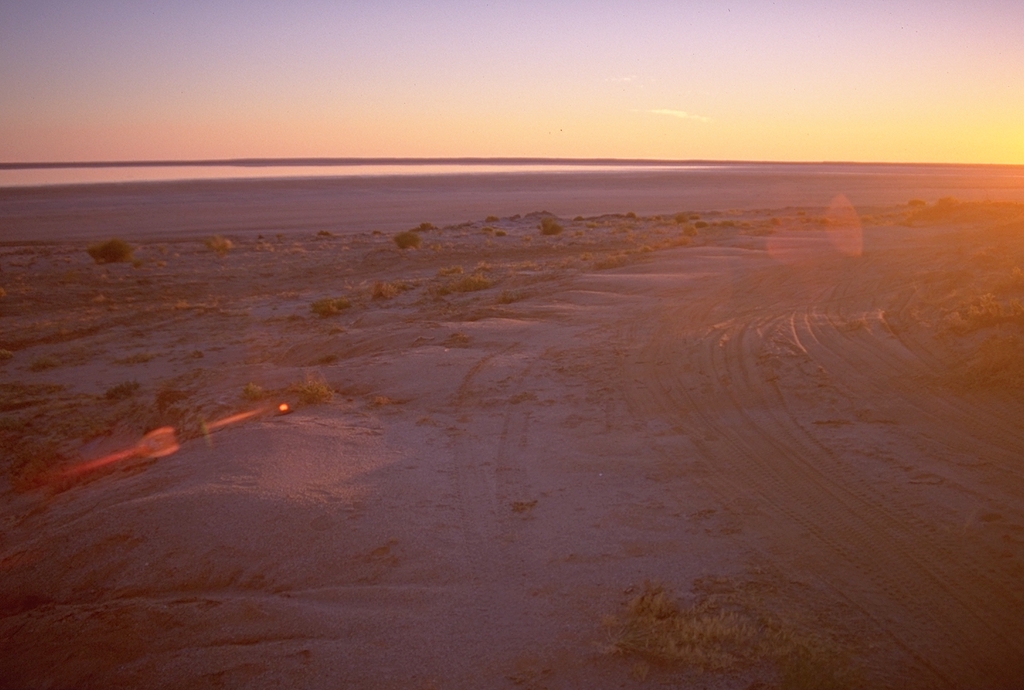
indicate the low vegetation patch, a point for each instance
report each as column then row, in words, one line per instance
column 5, row 355
column 253, row 392
column 382, row 290
column 407, row 240
column 985, row 312
column 313, row 390
column 611, row 261
column 450, row 271
column 329, row 306
column 218, row 244
column 471, row 283
column 508, row 297
column 715, row 636
column 110, row 252
column 549, row 226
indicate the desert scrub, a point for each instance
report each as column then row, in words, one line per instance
column 723, row 637
column 549, row 226
column 253, row 392
column 385, row 291
column 112, row 251
column 611, row 261
column 313, row 390
column 122, row 391
column 329, row 306
column 5, row 355
column 450, row 271
column 407, row 240
column 471, row 283
column 508, row 297
column 218, row 244
column 985, row 312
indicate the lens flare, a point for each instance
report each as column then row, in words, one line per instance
column 163, row 441
column 157, row 443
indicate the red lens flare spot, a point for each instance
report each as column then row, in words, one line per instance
column 283, row 408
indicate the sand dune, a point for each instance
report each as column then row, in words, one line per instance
column 815, row 438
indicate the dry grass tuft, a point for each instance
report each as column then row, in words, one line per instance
column 985, row 312
column 383, row 290
column 253, row 392
column 450, row 271
column 611, row 261
column 549, row 226
column 313, row 390
column 471, row 283
column 508, row 297
column 329, row 306
column 218, row 244
column 711, row 637
column 408, row 239
column 110, row 252
column 5, row 355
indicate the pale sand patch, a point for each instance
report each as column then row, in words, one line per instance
column 757, row 417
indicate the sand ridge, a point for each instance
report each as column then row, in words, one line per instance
column 755, row 412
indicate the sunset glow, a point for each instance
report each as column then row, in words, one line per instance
column 870, row 81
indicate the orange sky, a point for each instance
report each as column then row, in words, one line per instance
column 872, row 81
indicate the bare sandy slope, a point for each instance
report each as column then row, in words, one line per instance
column 808, row 426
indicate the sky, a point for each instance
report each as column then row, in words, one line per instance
column 900, row 81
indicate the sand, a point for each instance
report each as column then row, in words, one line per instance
column 805, row 422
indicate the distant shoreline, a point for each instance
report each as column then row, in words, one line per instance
column 467, row 161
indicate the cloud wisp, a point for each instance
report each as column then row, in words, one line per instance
column 681, row 114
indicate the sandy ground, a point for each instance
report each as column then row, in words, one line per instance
column 805, row 423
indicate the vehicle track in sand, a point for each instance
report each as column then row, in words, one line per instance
column 747, row 389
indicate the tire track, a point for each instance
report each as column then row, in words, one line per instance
column 944, row 609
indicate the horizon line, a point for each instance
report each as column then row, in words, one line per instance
column 435, row 160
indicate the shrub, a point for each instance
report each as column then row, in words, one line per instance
column 491, row 219
column 385, row 290
column 122, row 391
column 426, row 227
column 313, row 390
column 407, row 240
column 110, row 252
column 611, row 261
column 549, row 226
column 329, row 306
column 450, row 271
column 218, row 244
column 252, row 391
column 631, row 214
column 500, row 233
column 471, row 283
column 700, row 224
column 5, row 355
column 508, row 297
